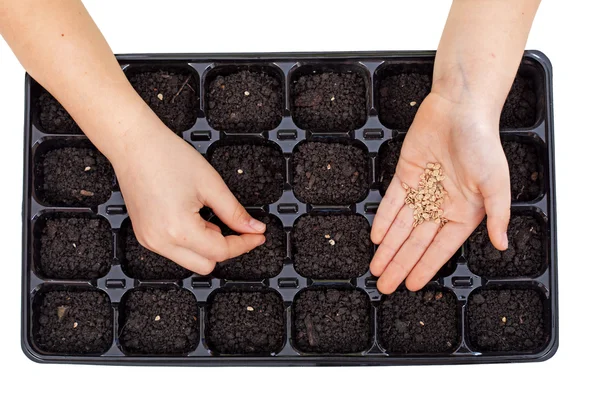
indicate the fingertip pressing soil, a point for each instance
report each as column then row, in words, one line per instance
column 141, row 263
column 329, row 102
column 160, row 321
column 173, row 96
column 245, row 101
column 526, row 176
column 332, row 246
column 520, row 107
column 400, row 97
column 330, row 173
column 419, row 322
column 53, row 118
column 246, row 322
column 75, row 248
column 524, row 257
column 73, row 176
column 71, row 322
column 506, row 320
column 332, row 321
column 253, row 172
column 265, row 261
column 388, row 160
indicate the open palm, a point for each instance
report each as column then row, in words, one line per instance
column 467, row 145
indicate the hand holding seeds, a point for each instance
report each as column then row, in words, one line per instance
column 450, row 173
column 165, row 183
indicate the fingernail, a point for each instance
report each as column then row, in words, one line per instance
column 505, row 241
column 257, row 225
column 264, row 239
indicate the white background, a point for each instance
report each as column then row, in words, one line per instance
column 567, row 31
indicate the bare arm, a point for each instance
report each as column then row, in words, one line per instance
column 164, row 181
column 456, row 126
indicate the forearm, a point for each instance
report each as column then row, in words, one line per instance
column 58, row 43
column 480, row 51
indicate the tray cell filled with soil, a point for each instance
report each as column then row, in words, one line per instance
column 245, row 322
column 328, row 98
column 51, row 116
column 159, row 321
column 526, row 170
column 332, row 246
column 525, row 256
column 72, row 173
column 141, row 263
column 263, row 262
column 253, row 171
column 331, row 173
column 172, row 92
column 332, row 320
column 427, row 321
column 72, row 321
column 244, row 99
column 72, row 246
column 389, row 154
column 523, row 105
column 399, row 91
column 506, row 319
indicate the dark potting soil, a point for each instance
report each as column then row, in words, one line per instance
column 329, row 173
column 526, row 176
column 388, row 160
column 332, row 321
column 520, row 107
column 265, row 261
column 524, row 256
column 332, row 246
column 506, row 320
column 253, row 172
column 245, row 322
column 53, row 117
column 72, row 322
column 173, row 96
column 400, row 97
column 160, row 321
column 141, row 263
column 74, row 176
column 245, row 101
column 329, row 102
column 419, row 322
column 75, row 248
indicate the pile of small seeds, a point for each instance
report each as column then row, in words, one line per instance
column 427, row 199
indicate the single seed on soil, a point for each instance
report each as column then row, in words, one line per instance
column 87, row 169
column 86, row 193
column 332, row 242
column 60, row 312
column 438, row 295
column 422, row 323
column 240, row 171
column 328, row 166
column 75, row 325
column 250, row 308
column 157, row 318
column 246, row 93
column 332, row 98
column 503, row 319
column 534, row 176
column 160, row 96
column 413, row 103
column 327, row 236
column 74, row 245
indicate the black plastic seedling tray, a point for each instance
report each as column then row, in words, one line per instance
column 115, row 286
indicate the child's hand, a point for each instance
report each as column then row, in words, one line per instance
column 165, row 182
column 467, row 145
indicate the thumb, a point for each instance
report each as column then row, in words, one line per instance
column 224, row 204
column 496, row 198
